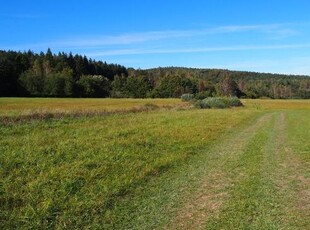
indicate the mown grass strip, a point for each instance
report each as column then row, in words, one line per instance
column 205, row 201
column 294, row 167
column 252, row 203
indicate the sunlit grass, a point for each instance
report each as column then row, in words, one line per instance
column 24, row 106
column 277, row 104
column 71, row 172
column 107, row 171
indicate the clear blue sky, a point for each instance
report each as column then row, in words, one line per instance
column 263, row 35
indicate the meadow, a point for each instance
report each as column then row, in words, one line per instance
column 154, row 164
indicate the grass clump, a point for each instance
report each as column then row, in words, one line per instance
column 218, row 102
column 151, row 106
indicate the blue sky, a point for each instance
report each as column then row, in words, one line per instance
column 264, row 36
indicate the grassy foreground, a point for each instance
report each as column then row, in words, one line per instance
column 244, row 168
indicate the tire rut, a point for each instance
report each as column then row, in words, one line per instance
column 290, row 180
column 212, row 193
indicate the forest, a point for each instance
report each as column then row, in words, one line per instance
column 29, row 74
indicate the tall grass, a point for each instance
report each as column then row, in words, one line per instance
column 277, row 104
column 25, row 106
column 19, row 110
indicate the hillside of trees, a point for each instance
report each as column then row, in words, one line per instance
column 67, row 75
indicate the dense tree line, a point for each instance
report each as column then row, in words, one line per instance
column 68, row 75
column 50, row 75
column 213, row 82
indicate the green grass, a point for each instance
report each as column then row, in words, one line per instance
column 253, row 201
column 241, row 168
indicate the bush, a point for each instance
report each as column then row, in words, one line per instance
column 213, row 102
column 218, row 102
column 187, row 97
column 231, row 101
column 203, row 95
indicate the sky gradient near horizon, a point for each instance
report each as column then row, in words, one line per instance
column 262, row 36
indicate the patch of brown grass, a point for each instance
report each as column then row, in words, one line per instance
column 25, row 106
column 42, row 114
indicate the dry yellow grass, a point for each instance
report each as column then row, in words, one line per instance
column 276, row 104
column 25, row 106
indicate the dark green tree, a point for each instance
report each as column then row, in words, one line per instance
column 93, row 86
column 32, row 83
column 118, row 87
column 137, row 87
column 59, row 84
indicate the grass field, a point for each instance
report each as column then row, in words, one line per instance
column 26, row 106
column 241, row 168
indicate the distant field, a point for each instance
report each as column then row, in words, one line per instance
column 22, row 106
column 241, row 168
column 277, row 104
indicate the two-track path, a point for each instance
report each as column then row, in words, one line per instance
column 253, row 180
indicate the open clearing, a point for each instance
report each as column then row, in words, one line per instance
column 183, row 168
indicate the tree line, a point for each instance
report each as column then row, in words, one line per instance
column 50, row 75
column 68, row 75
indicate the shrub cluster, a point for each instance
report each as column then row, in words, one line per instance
column 218, row 102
